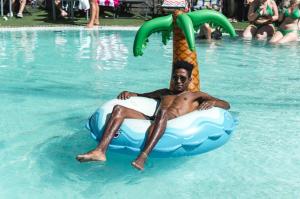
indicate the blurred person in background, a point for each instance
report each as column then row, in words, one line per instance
column 206, row 31
column 62, row 12
column 21, row 6
column 94, row 20
column 289, row 19
column 261, row 15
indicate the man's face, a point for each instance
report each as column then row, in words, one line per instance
column 181, row 80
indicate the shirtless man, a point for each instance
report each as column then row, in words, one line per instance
column 173, row 103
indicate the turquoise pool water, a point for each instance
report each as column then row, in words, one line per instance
column 52, row 81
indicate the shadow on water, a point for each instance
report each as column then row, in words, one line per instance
column 55, row 161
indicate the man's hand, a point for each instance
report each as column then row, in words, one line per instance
column 207, row 105
column 125, row 95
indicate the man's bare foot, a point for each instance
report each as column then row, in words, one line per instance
column 96, row 23
column 91, row 156
column 140, row 161
column 139, row 166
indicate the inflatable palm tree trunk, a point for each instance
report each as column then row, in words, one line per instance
column 182, row 52
column 183, row 26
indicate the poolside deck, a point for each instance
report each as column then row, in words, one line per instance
column 40, row 18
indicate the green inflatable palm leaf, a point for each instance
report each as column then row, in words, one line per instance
column 213, row 17
column 160, row 24
column 166, row 36
column 187, row 22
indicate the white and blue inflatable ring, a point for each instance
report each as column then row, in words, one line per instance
column 194, row 133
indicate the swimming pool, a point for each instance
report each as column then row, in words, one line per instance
column 51, row 81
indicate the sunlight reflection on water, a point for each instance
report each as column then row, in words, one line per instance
column 52, row 81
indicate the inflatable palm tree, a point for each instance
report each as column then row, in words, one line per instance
column 183, row 26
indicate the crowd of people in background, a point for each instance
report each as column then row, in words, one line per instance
column 278, row 20
column 267, row 19
column 265, row 15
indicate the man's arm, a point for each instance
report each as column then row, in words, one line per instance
column 154, row 95
column 206, row 101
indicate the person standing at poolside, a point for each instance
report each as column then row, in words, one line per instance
column 261, row 15
column 94, row 20
column 21, row 7
column 289, row 18
column 173, row 103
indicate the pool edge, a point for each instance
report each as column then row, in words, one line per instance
column 53, row 28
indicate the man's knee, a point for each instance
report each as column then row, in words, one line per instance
column 118, row 111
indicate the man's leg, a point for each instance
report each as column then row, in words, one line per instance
column 156, row 130
column 118, row 115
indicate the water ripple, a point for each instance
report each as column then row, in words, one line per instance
column 51, row 81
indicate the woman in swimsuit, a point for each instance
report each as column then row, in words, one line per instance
column 288, row 29
column 261, row 15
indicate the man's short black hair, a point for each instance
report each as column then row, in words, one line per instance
column 185, row 65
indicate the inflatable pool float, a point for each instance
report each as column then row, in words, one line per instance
column 194, row 133
column 190, row 134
